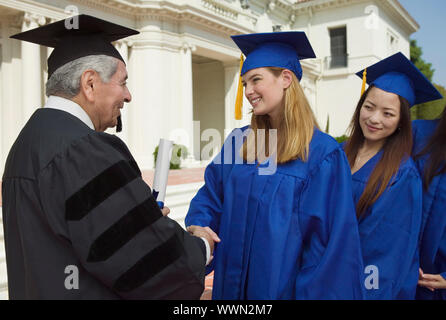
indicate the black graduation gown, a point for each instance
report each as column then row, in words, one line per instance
column 73, row 198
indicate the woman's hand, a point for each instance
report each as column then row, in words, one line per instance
column 205, row 232
column 431, row 281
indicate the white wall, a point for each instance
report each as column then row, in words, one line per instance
column 387, row 27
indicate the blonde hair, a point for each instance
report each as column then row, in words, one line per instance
column 295, row 132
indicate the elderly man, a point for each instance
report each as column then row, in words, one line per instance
column 80, row 223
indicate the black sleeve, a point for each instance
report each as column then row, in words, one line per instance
column 116, row 227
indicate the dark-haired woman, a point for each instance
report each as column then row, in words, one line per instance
column 386, row 185
column 430, row 157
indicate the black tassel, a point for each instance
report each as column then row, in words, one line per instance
column 119, row 125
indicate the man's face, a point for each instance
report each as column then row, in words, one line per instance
column 110, row 98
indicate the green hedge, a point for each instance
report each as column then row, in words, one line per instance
column 430, row 110
column 178, row 152
column 341, row 138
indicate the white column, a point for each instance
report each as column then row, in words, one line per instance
column 147, row 118
column 2, row 44
column 31, row 68
column 9, row 109
column 48, row 51
column 231, row 85
column 161, row 88
column 11, row 98
column 45, row 72
column 187, row 106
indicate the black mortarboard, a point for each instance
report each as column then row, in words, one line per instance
column 77, row 37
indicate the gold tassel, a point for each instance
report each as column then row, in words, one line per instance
column 239, row 97
column 364, row 81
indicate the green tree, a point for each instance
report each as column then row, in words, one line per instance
column 432, row 109
column 415, row 56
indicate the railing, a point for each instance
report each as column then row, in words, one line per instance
column 220, row 9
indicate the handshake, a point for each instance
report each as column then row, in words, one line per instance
column 202, row 232
column 205, row 232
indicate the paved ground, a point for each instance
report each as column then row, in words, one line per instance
column 178, row 176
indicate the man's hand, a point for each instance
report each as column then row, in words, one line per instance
column 206, row 295
column 165, row 211
column 205, row 232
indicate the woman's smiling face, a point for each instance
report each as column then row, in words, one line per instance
column 264, row 91
column 379, row 115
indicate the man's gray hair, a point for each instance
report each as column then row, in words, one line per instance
column 65, row 81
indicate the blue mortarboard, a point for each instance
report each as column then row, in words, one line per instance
column 275, row 49
column 398, row 75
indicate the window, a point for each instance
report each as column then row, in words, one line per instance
column 392, row 42
column 338, row 47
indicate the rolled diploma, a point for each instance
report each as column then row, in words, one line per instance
column 162, row 171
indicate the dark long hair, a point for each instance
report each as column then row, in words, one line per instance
column 436, row 148
column 396, row 148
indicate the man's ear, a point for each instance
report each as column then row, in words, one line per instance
column 88, row 84
column 287, row 78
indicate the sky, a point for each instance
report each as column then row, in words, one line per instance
column 431, row 16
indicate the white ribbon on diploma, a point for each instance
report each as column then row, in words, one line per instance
column 162, row 171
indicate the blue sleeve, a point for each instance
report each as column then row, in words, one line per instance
column 332, row 263
column 391, row 242
column 206, row 207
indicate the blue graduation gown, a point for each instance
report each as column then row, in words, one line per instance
column 433, row 234
column 288, row 235
column 389, row 230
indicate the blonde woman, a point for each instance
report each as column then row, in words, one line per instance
column 279, row 193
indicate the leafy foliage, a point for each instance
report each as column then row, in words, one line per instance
column 432, row 109
column 179, row 152
column 341, row 138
